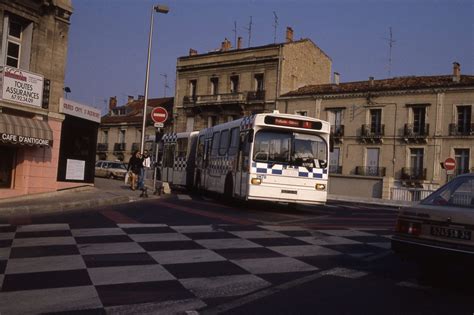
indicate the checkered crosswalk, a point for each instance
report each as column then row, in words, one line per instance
column 137, row 267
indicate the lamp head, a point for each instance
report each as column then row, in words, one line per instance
column 161, row 8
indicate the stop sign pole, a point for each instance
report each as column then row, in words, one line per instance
column 159, row 115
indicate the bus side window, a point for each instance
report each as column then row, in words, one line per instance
column 215, row 144
column 234, row 141
column 244, row 152
column 224, row 142
column 200, row 152
column 182, row 147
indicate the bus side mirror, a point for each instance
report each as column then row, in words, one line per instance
column 331, row 144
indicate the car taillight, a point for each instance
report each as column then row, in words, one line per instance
column 407, row 227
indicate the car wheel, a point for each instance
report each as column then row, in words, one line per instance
column 111, row 176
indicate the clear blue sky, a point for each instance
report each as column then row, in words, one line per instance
column 108, row 38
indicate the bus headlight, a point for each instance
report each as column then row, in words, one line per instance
column 320, row 187
column 256, row 181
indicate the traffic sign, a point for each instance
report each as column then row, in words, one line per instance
column 159, row 115
column 449, row 164
column 159, row 125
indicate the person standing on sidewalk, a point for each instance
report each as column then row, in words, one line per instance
column 135, row 164
column 146, row 165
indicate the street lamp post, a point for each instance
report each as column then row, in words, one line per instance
column 160, row 9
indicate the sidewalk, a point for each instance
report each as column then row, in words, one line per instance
column 110, row 192
column 106, row 192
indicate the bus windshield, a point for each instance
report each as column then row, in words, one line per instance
column 290, row 148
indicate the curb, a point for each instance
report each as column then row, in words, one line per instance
column 378, row 202
column 62, row 207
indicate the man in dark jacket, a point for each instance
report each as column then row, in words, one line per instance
column 135, row 164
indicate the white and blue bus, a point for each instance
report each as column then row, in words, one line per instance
column 270, row 156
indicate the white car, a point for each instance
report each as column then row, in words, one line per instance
column 110, row 169
column 440, row 229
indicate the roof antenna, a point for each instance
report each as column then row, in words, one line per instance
column 166, row 86
column 275, row 25
column 235, row 34
column 249, row 30
column 391, row 41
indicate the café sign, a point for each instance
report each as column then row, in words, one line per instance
column 17, row 139
column 20, row 86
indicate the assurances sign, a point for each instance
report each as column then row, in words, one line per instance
column 20, row 86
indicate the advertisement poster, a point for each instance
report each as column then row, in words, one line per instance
column 75, row 169
column 20, row 86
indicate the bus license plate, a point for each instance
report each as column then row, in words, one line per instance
column 450, row 233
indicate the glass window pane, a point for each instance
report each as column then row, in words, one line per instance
column 12, row 62
column 13, row 50
column 15, row 30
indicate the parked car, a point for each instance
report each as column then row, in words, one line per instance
column 438, row 232
column 110, row 169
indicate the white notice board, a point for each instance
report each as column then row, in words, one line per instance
column 75, row 169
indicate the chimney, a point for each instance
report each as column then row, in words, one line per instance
column 289, row 34
column 141, row 97
column 130, row 99
column 193, row 52
column 112, row 102
column 226, row 45
column 239, row 42
column 371, row 81
column 456, row 72
column 336, row 78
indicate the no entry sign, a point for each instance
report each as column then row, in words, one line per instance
column 449, row 164
column 159, row 115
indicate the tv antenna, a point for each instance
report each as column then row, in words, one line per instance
column 249, row 30
column 391, row 41
column 275, row 25
column 235, row 34
column 166, row 86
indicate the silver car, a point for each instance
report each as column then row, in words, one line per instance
column 440, row 229
column 110, row 169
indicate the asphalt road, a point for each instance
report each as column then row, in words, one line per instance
column 193, row 253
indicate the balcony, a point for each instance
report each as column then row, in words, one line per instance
column 135, row 146
column 413, row 173
column 337, row 132
column 370, row 171
column 101, row 147
column 118, row 147
column 372, row 133
column 461, row 130
column 256, row 96
column 416, row 133
column 335, row 169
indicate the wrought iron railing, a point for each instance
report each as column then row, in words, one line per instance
column 413, row 173
column 119, row 146
column 409, row 194
column 369, row 131
column 102, row 147
column 370, row 171
column 415, row 130
column 461, row 130
column 256, row 95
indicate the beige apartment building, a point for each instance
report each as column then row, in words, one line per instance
column 120, row 129
column 391, row 136
column 226, row 84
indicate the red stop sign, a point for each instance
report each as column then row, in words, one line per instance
column 449, row 164
column 159, row 114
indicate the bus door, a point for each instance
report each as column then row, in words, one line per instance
column 243, row 164
column 168, row 162
column 205, row 168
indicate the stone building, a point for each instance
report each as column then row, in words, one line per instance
column 226, row 84
column 120, row 130
column 392, row 135
column 33, row 49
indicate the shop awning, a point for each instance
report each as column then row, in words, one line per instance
column 25, row 131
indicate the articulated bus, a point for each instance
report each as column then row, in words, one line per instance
column 272, row 156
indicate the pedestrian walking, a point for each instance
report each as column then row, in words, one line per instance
column 135, row 165
column 143, row 174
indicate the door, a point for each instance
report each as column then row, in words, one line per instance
column 168, row 161
column 243, row 165
column 372, row 163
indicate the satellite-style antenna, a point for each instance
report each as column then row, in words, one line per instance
column 235, row 34
column 166, row 86
column 249, row 30
column 391, row 41
column 275, row 25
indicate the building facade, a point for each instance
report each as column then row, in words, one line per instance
column 224, row 85
column 33, row 49
column 120, row 130
column 391, row 136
